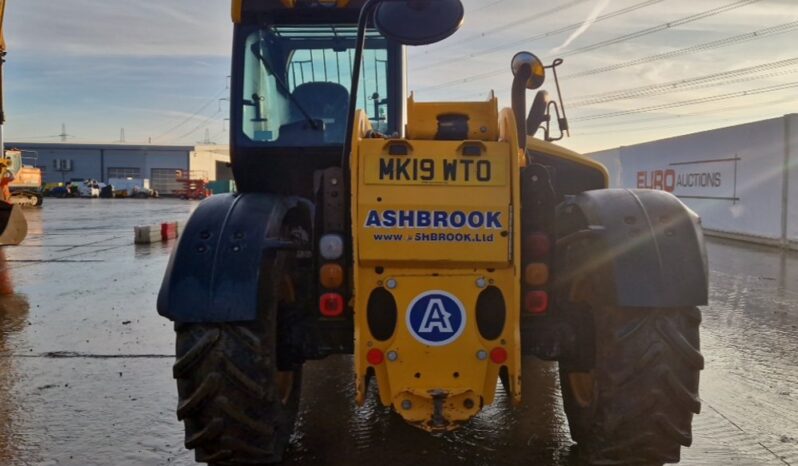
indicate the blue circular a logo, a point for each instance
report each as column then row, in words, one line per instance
column 436, row 318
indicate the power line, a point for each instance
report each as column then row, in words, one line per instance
column 22, row 138
column 616, row 124
column 732, row 40
column 662, row 27
column 525, row 20
column 485, row 7
column 682, row 84
column 217, row 134
column 626, row 37
column 543, row 35
column 759, row 34
column 199, row 126
column 683, row 103
column 193, row 115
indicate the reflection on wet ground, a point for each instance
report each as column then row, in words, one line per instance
column 85, row 364
column 13, row 318
column 332, row 430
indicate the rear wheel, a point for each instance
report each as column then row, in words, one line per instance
column 237, row 404
column 635, row 405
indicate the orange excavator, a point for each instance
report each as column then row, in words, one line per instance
column 13, row 226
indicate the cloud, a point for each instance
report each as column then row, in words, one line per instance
column 98, row 65
column 119, row 28
column 600, row 7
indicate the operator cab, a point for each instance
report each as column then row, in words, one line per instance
column 292, row 76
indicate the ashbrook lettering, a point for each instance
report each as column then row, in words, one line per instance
column 431, row 170
column 435, row 219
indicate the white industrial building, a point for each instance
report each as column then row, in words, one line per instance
column 742, row 180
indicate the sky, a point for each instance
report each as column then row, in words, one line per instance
column 633, row 70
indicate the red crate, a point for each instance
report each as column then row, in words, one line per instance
column 168, row 231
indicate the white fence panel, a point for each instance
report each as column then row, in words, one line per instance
column 792, row 196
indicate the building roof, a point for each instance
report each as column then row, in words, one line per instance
column 78, row 146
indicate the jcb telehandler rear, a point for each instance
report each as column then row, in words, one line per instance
column 438, row 243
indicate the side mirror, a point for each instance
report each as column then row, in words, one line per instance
column 419, row 22
column 528, row 73
column 538, row 76
column 539, row 114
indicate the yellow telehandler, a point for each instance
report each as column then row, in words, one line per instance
column 13, row 226
column 437, row 242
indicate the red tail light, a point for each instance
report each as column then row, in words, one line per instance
column 498, row 355
column 537, row 245
column 375, row 357
column 537, row 302
column 331, row 305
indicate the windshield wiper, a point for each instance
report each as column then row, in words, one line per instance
column 315, row 124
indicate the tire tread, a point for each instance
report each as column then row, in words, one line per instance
column 647, row 369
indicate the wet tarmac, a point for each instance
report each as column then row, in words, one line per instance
column 85, row 364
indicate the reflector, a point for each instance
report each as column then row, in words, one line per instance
column 498, row 355
column 331, row 247
column 375, row 357
column 537, row 246
column 537, row 302
column 536, row 274
column 331, row 276
column 331, row 305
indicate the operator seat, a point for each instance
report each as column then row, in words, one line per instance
column 324, row 101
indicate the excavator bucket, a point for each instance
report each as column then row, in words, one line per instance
column 13, row 226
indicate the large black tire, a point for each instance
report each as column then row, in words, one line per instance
column 636, row 405
column 238, row 406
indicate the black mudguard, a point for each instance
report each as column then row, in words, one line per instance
column 213, row 275
column 646, row 246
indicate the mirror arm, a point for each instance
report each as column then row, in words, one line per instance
column 365, row 14
column 547, row 126
column 563, row 121
column 560, row 121
column 519, row 102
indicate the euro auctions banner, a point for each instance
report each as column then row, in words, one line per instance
column 735, row 178
column 693, row 179
column 792, row 186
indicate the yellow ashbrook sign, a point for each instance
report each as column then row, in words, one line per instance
column 434, row 205
column 478, row 234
